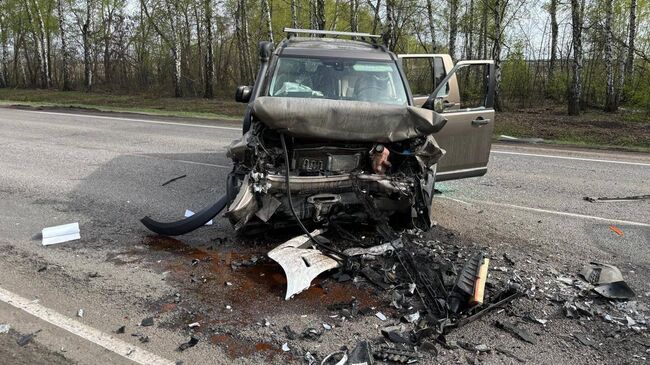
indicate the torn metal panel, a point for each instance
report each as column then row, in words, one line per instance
column 301, row 264
column 244, row 205
column 344, row 120
column 269, row 205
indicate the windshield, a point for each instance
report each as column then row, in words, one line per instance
column 338, row 79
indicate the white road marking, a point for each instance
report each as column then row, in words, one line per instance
column 538, row 210
column 122, row 348
column 571, row 158
column 135, row 120
column 184, row 161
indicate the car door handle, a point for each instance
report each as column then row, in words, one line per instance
column 480, row 121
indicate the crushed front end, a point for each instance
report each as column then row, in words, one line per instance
column 348, row 161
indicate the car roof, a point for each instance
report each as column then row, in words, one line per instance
column 333, row 47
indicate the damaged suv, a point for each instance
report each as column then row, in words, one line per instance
column 334, row 133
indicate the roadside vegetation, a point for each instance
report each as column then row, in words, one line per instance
column 195, row 107
column 587, row 59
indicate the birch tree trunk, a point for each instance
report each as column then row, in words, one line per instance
column 354, row 16
column 39, row 45
column 610, row 96
column 64, row 49
column 631, row 36
column 208, row 91
column 554, row 33
column 499, row 6
column 389, row 33
column 294, row 14
column 4, row 56
column 45, row 46
column 575, row 93
column 317, row 14
column 266, row 13
column 453, row 27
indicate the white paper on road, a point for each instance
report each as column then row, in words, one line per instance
column 62, row 233
column 189, row 213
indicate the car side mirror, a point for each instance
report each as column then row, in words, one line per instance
column 243, row 94
column 439, row 105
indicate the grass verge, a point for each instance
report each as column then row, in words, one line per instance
column 139, row 103
column 592, row 129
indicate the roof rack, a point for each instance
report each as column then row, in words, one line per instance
column 363, row 36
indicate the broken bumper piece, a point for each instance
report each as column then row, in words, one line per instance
column 301, row 263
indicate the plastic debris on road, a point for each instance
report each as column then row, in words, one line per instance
column 617, row 230
column 60, row 234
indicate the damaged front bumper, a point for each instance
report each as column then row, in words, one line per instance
column 263, row 197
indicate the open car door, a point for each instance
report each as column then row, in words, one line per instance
column 465, row 96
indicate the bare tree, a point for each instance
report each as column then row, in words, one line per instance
column 173, row 40
column 64, row 49
column 375, row 11
column 453, row 27
column 84, row 22
column 610, row 95
column 4, row 56
column 552, row 9
column 499, row 8
column 575, row 91
column 317, row 14
column 243, row 39
column 208, row 91
column 631, row 35
column 294, row 14
column 390, row 33
column 38, row 27
column 432, row 25
column 266, row 13
column 354, row 15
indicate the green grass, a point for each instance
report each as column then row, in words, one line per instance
column 137, row 103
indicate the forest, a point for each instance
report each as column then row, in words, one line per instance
column 581, row 54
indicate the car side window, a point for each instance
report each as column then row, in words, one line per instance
column 424, row 74
column 473, row 87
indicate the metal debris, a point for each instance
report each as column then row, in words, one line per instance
column 4, row 328
column 80, row 313
column 173, row 179
column 607, row 280
column 398, row 353
column 191, row 343
column 285, row 347
column 309, row 358
column 605, row 199
column 147, row 322
column 120, row 330
column 516, row 331
column 381, row 316
column 25, row 339
column 335, row 358
column 509, row 354
column 361, row 354
column 584, row 339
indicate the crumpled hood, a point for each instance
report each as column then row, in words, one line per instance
column 345, row 120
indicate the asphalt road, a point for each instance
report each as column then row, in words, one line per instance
column 105, row 172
